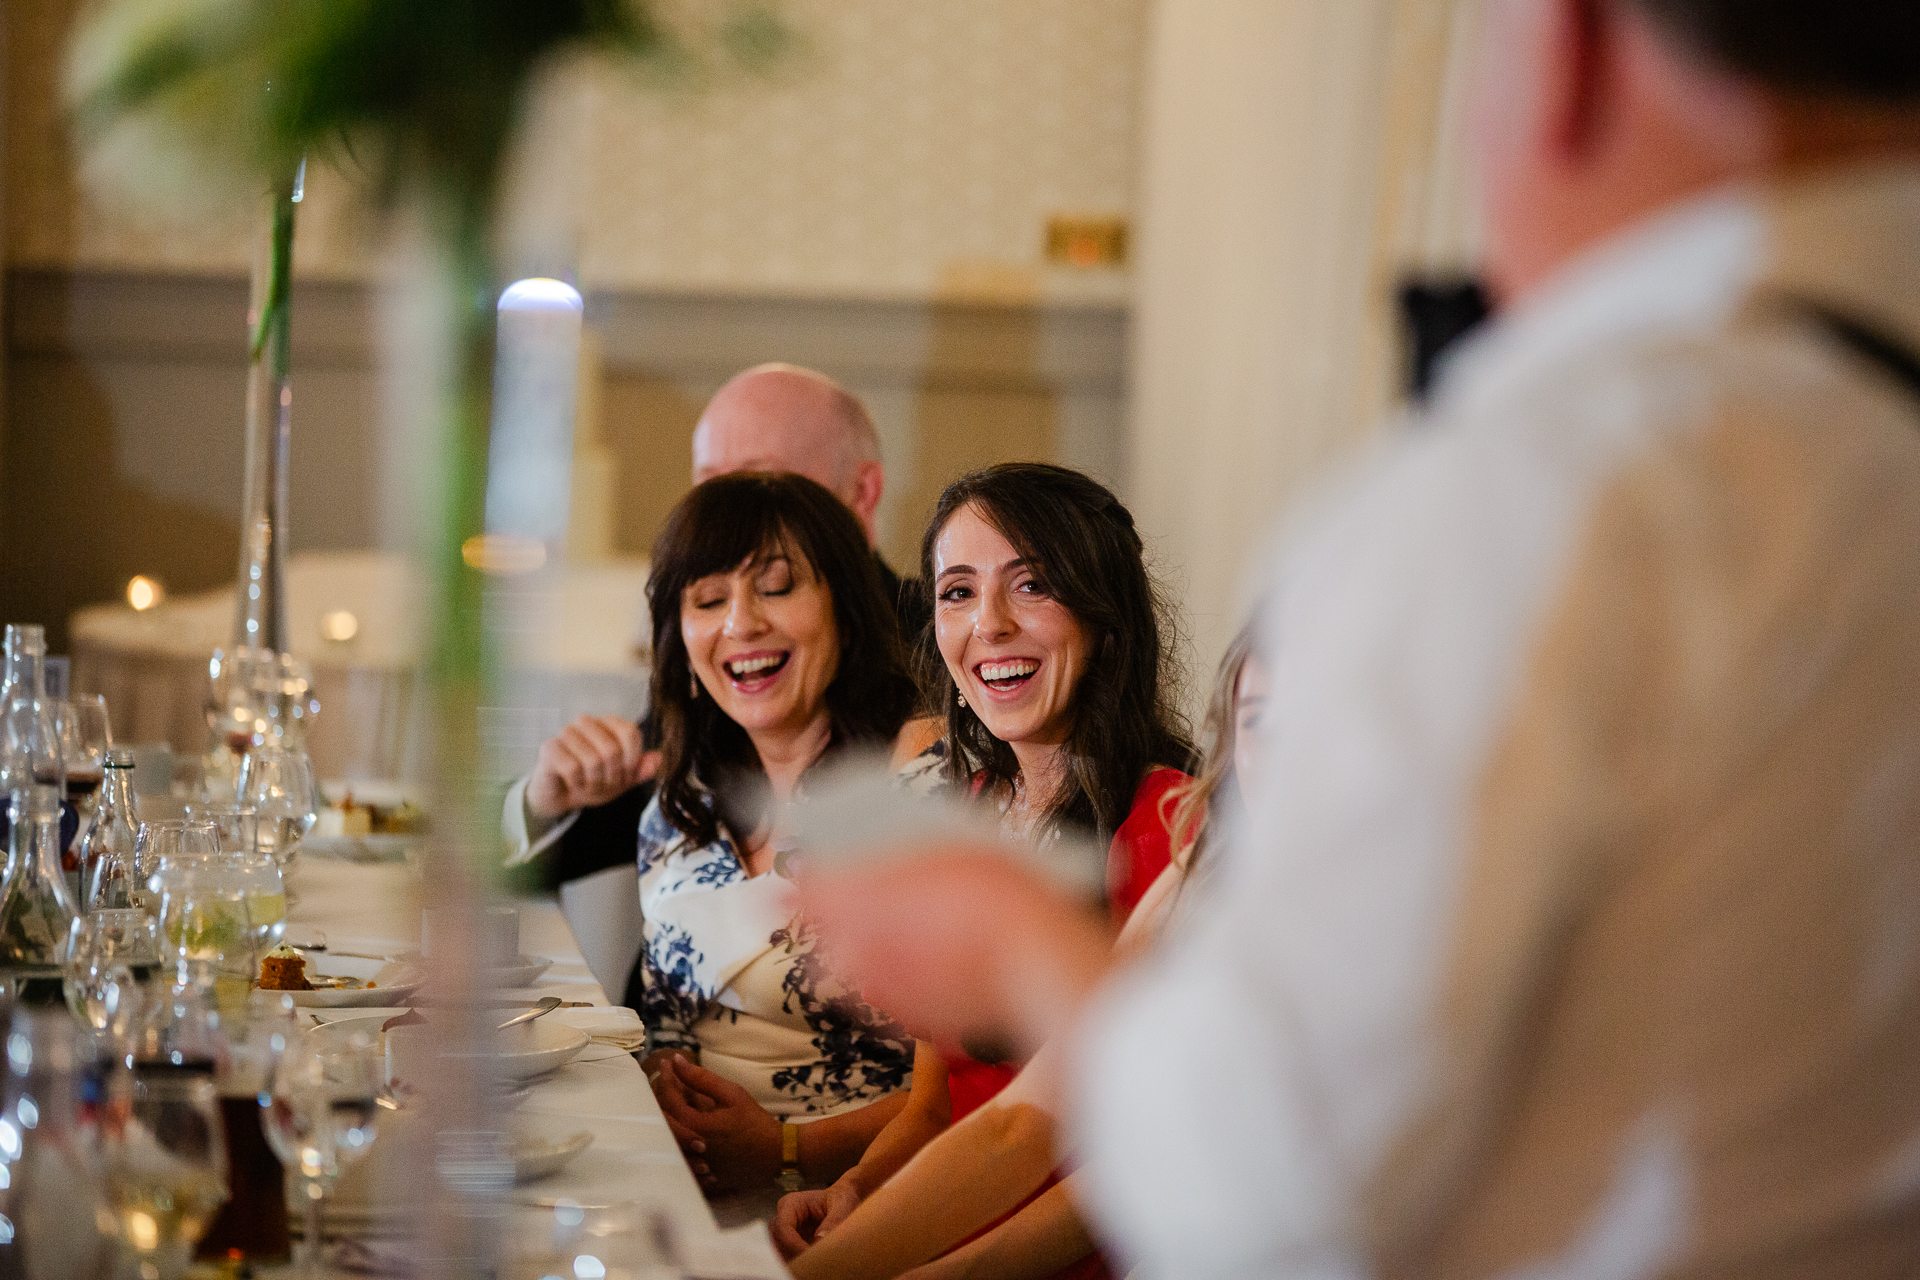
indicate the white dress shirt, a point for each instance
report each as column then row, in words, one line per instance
column 1572, row 931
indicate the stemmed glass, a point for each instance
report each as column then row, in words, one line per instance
column 276, row 782
column 323, row 1110
column 166, row 1168
column 107, row 955
column 80, row 723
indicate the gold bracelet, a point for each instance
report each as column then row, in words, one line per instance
column 790, row 1178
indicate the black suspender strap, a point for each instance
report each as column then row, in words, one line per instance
column 1873, row 345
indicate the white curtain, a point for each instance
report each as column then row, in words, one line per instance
column 1300, row 157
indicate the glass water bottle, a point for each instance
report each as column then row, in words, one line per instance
column 107, row 855
column 36, row 911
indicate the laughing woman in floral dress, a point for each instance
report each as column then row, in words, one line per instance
column 775, row 649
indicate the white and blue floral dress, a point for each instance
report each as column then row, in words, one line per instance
column 730, row 977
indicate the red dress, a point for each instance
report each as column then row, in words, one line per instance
column 1142, row 848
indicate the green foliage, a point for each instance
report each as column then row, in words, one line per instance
column 425, row 93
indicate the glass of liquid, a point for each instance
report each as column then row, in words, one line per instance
column 165, row 1157
column 277, row 783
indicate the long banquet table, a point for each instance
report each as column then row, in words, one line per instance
column 375, row 909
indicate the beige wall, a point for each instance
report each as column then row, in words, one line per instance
column 875, row 210
column 1298, row 160
column 907, row 144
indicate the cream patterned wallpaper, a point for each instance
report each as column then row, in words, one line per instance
column 912, row 148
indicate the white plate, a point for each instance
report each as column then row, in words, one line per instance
column 543, row 1157
column 393, row 983
column 523, row 974
column 371, row 848
column 524, row 1052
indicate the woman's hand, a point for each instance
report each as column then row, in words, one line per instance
column 589, row 762
column 803, row 1218
column 737, row 1139
column 662, row 1082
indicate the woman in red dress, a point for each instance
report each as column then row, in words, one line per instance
column 1050, row 655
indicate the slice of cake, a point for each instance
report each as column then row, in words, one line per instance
column 284, row 969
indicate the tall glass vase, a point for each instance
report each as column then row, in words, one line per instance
column 260, row 614
column 257, row 690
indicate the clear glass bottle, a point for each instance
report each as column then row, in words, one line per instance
column 29, row 732
column 36, row 911
column 107, row 854
column 32, row 742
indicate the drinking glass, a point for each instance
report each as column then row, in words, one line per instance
column 156, row 843
column 166, row 1168
column 238, row 825
column 107, row 956
column 276, row 782
column 322, row 1113
column 220, row 913
column 81, row 725
column 252, row 1228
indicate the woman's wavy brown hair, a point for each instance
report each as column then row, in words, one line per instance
column 719, row 526
column 1081, row 545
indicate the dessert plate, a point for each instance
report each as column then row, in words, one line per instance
column 349, row 982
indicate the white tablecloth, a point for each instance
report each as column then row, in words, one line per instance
column 376, row 909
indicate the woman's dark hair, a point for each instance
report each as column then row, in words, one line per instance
column 721, row 525
column 1080, row 543
column 1868, row 49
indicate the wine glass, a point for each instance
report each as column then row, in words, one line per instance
column 276, row 782
column 80, row 723
column 107, row 955
column 322, row 1113
column 166, row 1168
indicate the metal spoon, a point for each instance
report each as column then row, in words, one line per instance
column 547, row 1005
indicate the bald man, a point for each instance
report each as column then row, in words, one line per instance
column 584, row 797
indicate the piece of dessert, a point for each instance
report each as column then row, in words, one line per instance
column 345, row 819
column 284, row 969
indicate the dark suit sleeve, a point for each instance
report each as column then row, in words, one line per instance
column 603, row 836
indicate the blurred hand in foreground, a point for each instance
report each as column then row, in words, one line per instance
column 959, row 942
column 803, row 1218
column 589, row 762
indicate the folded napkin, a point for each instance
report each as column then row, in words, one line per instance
column 620, row 1028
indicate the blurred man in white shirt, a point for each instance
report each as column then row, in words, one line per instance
column 1575, row 928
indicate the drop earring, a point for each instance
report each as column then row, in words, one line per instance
column 962, row 698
